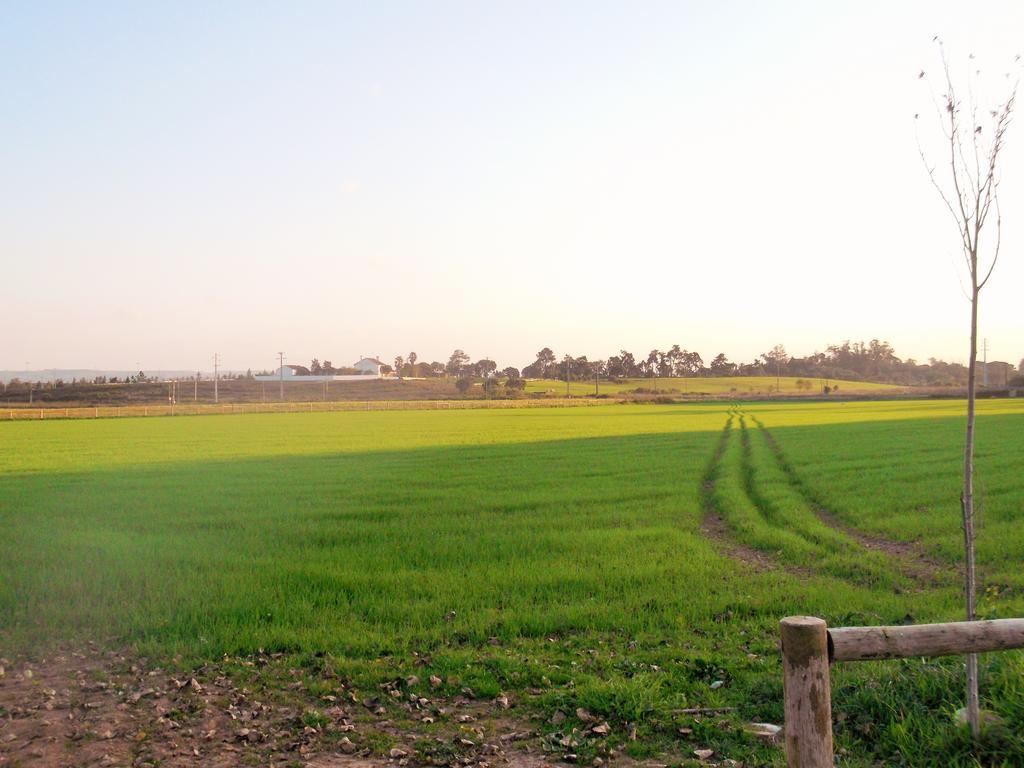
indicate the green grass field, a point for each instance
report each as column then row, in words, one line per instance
column 710, row 385
column 565, row 552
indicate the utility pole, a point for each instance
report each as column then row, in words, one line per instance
column 195, row 388
column 984, row 365
column 216, row 377
column 280, row 372
column 596, row 378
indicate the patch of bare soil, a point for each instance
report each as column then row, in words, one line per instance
column 912, row 562
column 89, row 707
column 715, row 529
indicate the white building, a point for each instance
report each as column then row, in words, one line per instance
column 369, row 369
column 369, row 366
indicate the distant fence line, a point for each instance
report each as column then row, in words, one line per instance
column 208, row 409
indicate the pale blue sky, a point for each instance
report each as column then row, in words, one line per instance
column 342, row 179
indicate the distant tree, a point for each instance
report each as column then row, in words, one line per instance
column 581, row 368
column 456, row 362
column 721, row 366
column 315, row 368
column 666, row 361
column 545, row 363
column 629, row 365
column 436, row 368
column 510, row 372
column 412, row 358
column 970, row 192
column 651, row 364
column 565, row 367
column 774, row 360
column 489, row 386
column 691, row 363
column 484, row 368
column 399, row 362
column 327, row 368
column 463, row 384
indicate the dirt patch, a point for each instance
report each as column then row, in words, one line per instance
column 912, row 562
column 715, row 529
column 98, row 708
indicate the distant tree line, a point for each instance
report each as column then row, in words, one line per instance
column 857, row 361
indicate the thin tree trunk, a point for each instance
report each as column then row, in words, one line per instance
column 967, row 508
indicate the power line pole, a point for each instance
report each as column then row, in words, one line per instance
column 216, row 377
column 195, row 388
column 280, row 372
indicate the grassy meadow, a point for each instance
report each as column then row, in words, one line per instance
column 711, row 385
column 597, row 557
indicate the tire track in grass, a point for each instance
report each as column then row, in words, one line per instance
column 805, row 541
column 913, row 562
column 713, row 526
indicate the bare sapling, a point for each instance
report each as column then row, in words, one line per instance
column 966, row 177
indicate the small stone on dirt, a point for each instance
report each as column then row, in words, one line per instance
column 703, row 754
column 766, row 732
column 583, row 716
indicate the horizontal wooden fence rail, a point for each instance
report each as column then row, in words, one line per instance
column 809, row 647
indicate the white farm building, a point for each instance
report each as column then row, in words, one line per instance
column 369, row 366
column 369, row 369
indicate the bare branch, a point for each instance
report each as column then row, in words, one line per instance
column 999, row 241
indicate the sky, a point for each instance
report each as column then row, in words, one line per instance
column 344, row 179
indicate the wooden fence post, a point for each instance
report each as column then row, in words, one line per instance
column 807, row 692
